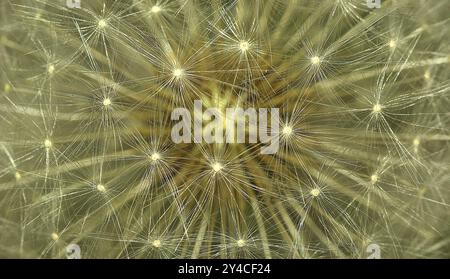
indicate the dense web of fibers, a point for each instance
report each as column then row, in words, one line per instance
column 86, row 96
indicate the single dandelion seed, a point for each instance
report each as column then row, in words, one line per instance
column 241, row 243
column 155, row 156
column 101, row 188
column 315, row 60
column 315, row 192
column 416, row 143
column 377, row 108
column 7, row 87
column 392, row 43
column 18, row 176
column 427, row 75
column 102, row 23
column 51, row 69
column 107, row 102
column 156, row 243
column 287, row 130
column 155, row 9
column 373, row 178
column 217, row 167
column 48, row 144
column 422, row 191
column 178, row 73
column 54, row 236
column 244, row 46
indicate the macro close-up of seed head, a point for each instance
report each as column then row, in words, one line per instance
column 223, row 129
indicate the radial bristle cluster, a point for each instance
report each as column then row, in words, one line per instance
column 87, row 157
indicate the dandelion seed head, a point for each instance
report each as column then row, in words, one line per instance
column 125, row 178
